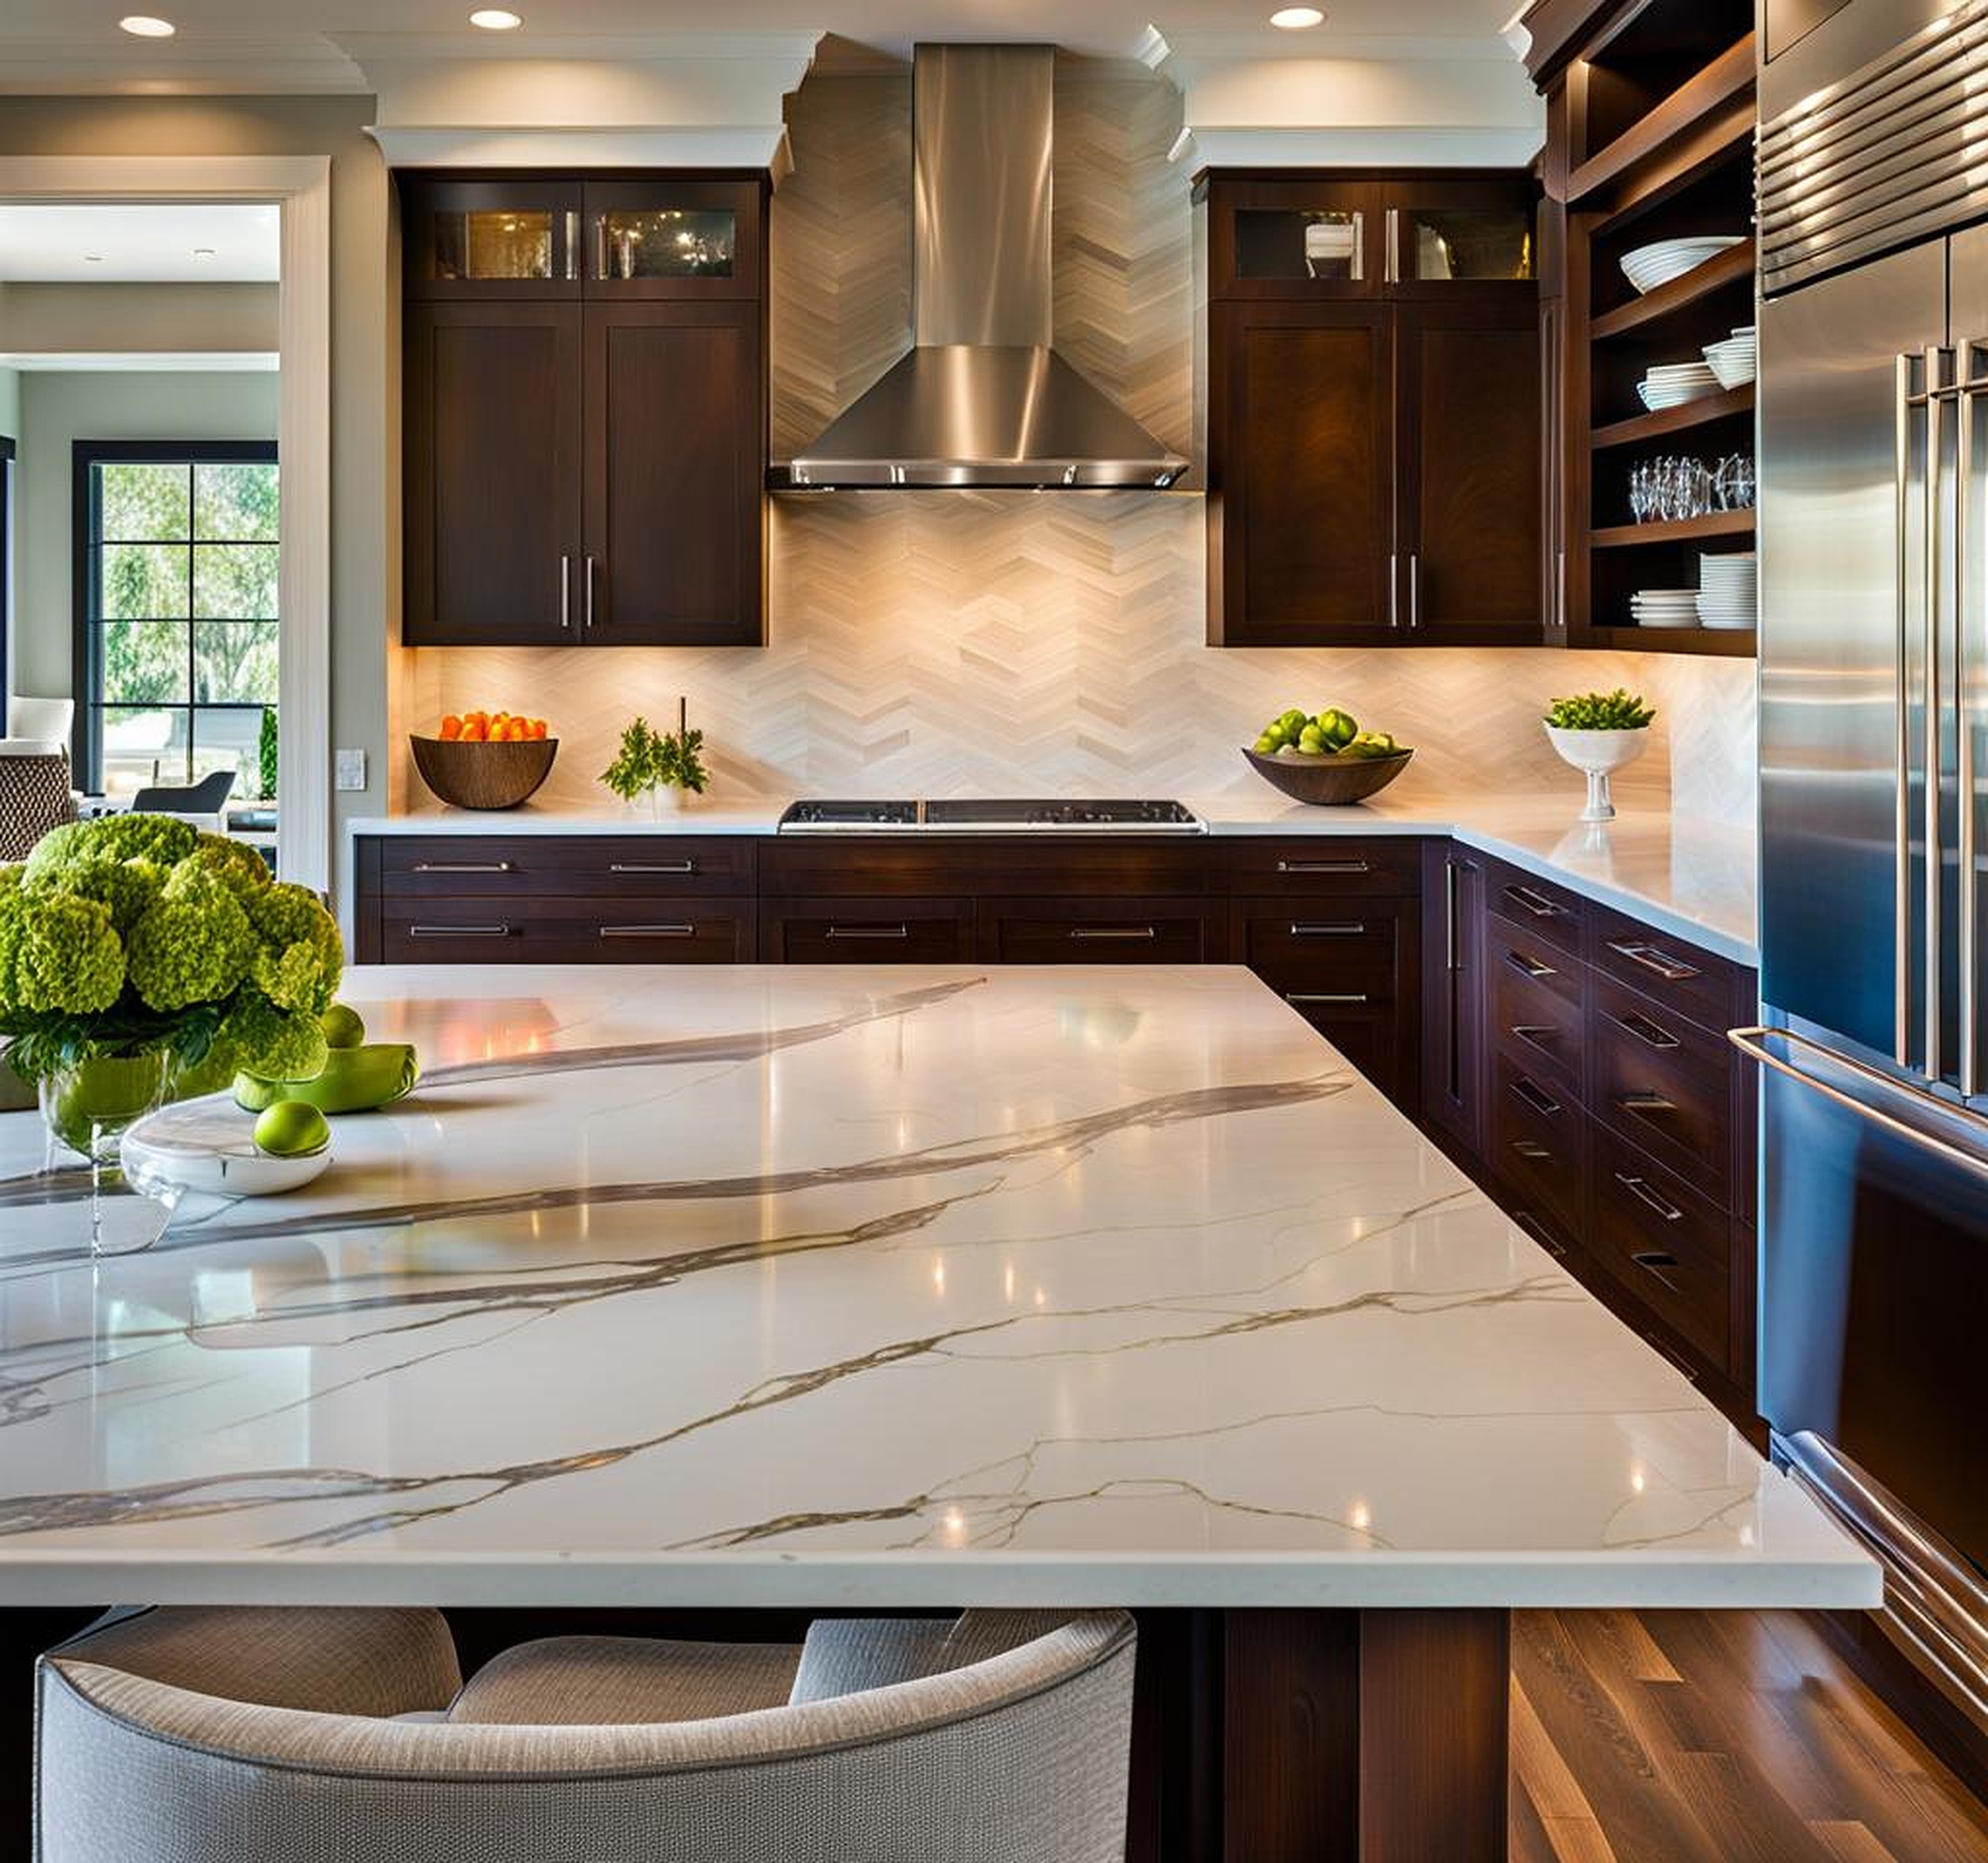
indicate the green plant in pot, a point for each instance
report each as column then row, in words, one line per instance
column 137, row 953
column 663, row 765
column 1599, row 733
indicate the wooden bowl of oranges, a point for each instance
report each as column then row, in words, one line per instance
column 485, row 759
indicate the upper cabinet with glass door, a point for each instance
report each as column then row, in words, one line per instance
column 660, row 236
column 1328, row 235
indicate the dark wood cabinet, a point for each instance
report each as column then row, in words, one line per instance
column 1371, row 402
column 675, row 473
column 586, row 412
column 492, row 462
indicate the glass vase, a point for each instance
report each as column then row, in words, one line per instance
column 88, row 1104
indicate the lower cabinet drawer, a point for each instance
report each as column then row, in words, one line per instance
column 1667, row 1086
column 1538, row 1147
column 1536, row 1007
column 867, row 931
column 1354, row 938
column 1104, row 931
column 568, row 931
column 1668, row 1245
column 1367, row 1031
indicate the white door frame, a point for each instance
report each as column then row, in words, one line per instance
column 301, row 186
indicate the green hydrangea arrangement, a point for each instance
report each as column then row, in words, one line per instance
column 134, row 933
column 1616, row 711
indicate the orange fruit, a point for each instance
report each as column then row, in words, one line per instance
column 538, row 727
column 451, row 726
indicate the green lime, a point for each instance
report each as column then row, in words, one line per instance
column 1337, row 728
column 292, row 1129
column 254, row 1094
column 341, row 1026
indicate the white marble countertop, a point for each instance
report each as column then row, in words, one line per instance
column 1692, row 878
column 860, row 1286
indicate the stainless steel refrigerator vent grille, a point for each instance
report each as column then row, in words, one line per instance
column 1896, row 153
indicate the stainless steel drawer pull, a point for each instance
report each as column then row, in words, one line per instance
column 1639, row 1188
column 1137, row 933
column 1540, row 1234
column 1657, row 1264
column 652, row 866
column 1688, row 1371
column 648, row 931
column 868, row 931
column 1529, row 1090
column 1652, row 958
column 1528, row 965
column 464, row 866
column 1536, row 903
column 1300, row 996
column 1643, row 1103
column 1533, row 1149
column 1534, row 1034
column 1350, row 931
column 1650, row 1034
column 1325, row 867
column 458, row 931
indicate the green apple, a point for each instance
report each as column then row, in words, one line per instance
column 292, row 1129
column 343, row 1026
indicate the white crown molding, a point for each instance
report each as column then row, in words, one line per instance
column 147, row 362
column 1158, row 48
column 556, row 145
column 774, row 49
column 1212, row 146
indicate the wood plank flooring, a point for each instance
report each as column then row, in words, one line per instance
column 1730, row 1736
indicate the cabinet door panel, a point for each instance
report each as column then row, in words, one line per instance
column 1453, row 999
column 495, row 237
column 675, row 475
column 667, row 237
column 1469, row 475
column 492, row 472
column 867, row 931
column 1099, row 931
column 1300, row 452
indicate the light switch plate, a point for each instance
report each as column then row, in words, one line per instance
column 349, row 768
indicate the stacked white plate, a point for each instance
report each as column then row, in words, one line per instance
column 1736, row 360
column 1728, row 589
column 1672, row 385
column 1649, row 266
column 1665, row 607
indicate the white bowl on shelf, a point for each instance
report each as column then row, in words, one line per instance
column 1648, row 267
column 1598, row 755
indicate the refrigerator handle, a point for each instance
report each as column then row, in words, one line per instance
column 1902, row 932
column 1936, row 390
column 1972, row 389
column 1752, row 1043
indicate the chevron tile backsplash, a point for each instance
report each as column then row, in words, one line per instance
column 943, row 642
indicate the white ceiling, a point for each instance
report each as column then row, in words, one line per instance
column 94, row 244
column 297, row 43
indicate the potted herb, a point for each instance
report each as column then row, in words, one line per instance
column 1599, row 733
column 134, row 947
column 662, row 765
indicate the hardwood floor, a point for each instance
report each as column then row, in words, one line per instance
column 1734, row 1736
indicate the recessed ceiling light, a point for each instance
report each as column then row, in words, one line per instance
column 495, row 19
column 145, row 26
column 92, row 258
column 203, row 251
column 1295, row 18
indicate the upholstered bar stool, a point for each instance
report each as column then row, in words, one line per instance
column 346, row 1736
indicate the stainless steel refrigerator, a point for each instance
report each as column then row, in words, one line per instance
column 1874, row 797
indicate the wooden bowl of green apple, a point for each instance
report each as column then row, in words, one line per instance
column 1325, row 760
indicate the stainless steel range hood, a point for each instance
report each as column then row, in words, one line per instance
column 980, row 399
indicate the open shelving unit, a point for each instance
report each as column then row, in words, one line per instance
column 1650, row 116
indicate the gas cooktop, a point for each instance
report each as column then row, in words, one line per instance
column 956, row 817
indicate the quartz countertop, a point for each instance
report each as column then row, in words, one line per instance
column 1691, row 877
column 892, row 1286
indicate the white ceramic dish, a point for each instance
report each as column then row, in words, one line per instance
column 206, row 1147
column 1648, row 267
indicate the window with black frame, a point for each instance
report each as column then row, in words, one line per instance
column 176, row 614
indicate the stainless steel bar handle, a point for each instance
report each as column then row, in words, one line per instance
column 1752, row 1043
column 648, row 931
column 652, row 866
column 590, row 603
column 868, row 931
column 600, row 246
column 1540, row 1234
column 1392, row 263
column 1529, row 1090
column 1136, row 932
column 1902, row 747
column 1528, row 965
column 1641, row 1104
column 572, row 243
column 1531, row 1149
column 1968, row 1004
column 1452, row 942
column 1324, row 996
column 1414, row 588
column 463, row 867
column 1935, row 1060
column 1655, row 958
column 1560, row 593
column 458, row 931
column 1393, row 588
column 1639, row 1188
column 1650, row 1034
column 1352, row 929
column 1325, row 867
column 1536, row 903
column 565, row 594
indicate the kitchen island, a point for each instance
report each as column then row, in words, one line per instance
column 897, row 1286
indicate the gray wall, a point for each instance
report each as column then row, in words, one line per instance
column 57, row 409
column 365, row 436
column 209, row 319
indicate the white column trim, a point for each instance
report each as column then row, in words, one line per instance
column 301, row 186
